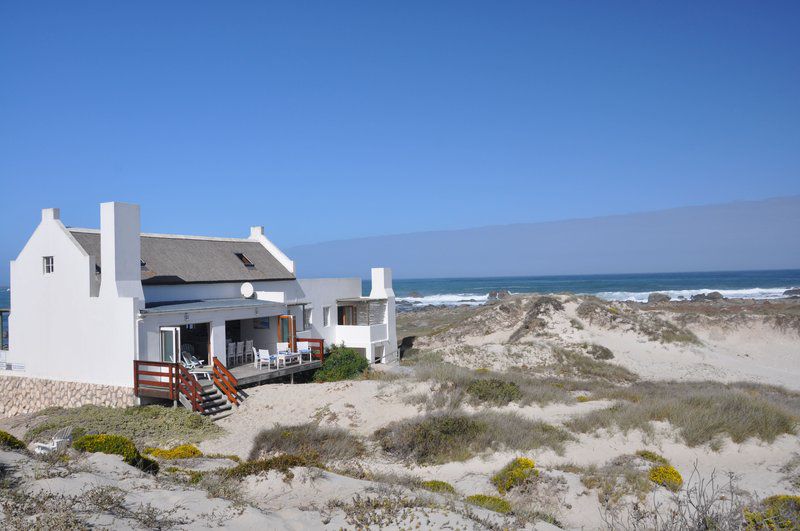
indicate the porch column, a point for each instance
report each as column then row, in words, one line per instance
column 218, row 341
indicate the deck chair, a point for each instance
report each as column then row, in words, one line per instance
column 304, row 349
column 60, row 441
column 248, row 351
column 240, row 353
column 230, row 354
column 263, row 357
column 189, row 361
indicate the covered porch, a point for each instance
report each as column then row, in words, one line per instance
column 222, row 340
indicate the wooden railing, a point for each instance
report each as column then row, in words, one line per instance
column 158, row 376
column 190, row 387
column 226, row 382
column 317, row 347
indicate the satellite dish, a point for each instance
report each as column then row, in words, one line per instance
column 247, row 290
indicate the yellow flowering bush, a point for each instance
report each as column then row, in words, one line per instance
column 435, row 485
column 514, row 473
column 184, row 451
column 493, row 503
column 667, row 476
column 777, row 512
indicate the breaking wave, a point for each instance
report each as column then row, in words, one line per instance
column 685, row 294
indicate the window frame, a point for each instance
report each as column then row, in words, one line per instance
column 48, row 265
column 326, row 316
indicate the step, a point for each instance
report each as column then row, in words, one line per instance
column 213, row 403
column 216, row 410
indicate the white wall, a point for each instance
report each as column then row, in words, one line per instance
column 60, row 331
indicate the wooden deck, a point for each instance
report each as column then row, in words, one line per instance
column 249, row 375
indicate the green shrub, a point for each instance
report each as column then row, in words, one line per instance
column 10, row 442
column 433, row 439
column 281, row 463
column 493, row 503
column 494, row 391
column 599, row 352
column 146, row 426
column 183, row 451
column 514, row 473
column 116, row 445
column 440, row 438
column 328, row 443
column 653, row 457
column 776, row 512
column 435, row 485
column 666, row 476
column 342, row 363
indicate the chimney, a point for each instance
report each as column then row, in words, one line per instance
column 256, row 232
column 381, row 283
column 120, row 251
column 49, row 214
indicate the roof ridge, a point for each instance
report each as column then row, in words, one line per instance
column 170, row 236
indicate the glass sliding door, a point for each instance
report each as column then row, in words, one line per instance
column 170, row 343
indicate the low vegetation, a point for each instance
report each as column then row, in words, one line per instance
column 492, row 503
column 514, row 474
column 341, row 363
column 441, row 438
column 598, row 352
column 622, row 477
column 146, row 426
column 9, row 442
column 494, row 391
column 183, row 451
column 441, row 487
column 652, row 457
column 281, row 463
column 700, row 411
column 776, row 512
column 666, row 476
column 329, row 444
column 453, row 385
column 116, row 445
column 571, row 364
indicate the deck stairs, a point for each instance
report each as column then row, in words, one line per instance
column 214, row 404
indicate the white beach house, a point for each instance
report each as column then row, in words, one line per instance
column 186, row 318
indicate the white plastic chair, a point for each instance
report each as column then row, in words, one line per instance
column 60, row 441
column 304, row 349
column 239, row 352
column 284, row 354
column 263, row 357
column 230, row 355
column 248, row 351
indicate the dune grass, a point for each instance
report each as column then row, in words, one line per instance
column 328, row 444
column 146, row 426
column 700, row 411
column 456, row 436
column 454, row 385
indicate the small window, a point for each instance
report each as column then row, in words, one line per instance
column 143, row 265
column 246, row 261
column 307, row 318
column 48, row 265
column 326, row 316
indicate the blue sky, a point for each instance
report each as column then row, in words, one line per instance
column 326, row 120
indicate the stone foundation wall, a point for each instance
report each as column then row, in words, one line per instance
column 20, row 394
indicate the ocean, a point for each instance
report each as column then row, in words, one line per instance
column 629, row 287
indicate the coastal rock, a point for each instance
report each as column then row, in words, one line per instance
column 415, row 295
column 499, row 295
column 794, row 292
column 657, row 297
column 712, row 296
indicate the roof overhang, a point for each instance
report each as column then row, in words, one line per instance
column 265, row 308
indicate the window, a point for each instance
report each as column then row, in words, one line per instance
column 246, row 261
column 347, row 315
column 306, row 318
column 48, row 266
column 326, row 316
